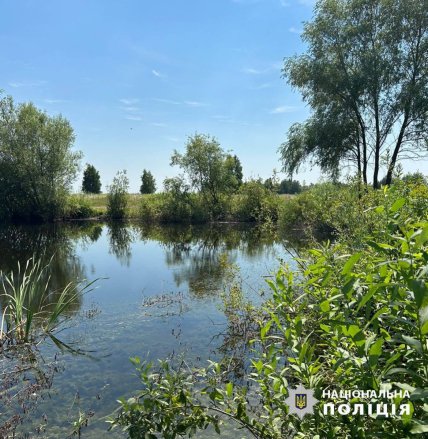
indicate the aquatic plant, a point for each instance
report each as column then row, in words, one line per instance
column 31, row 307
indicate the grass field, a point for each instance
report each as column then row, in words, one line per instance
column 98, row 203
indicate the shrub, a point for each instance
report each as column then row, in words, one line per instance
column 255, row 203
column 78, row 207
column 117, row 197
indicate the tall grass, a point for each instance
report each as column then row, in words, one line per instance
column 26, row 298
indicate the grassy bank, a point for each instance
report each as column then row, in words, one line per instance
column 252, row 203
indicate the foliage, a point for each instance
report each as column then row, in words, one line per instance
column 347, row 211
column 37, row 164
column 365, row 76
column 343, row 321
column 289, row 187
column 78, row 207
column 208, row 170
column 148, row 183
column 91, row 183
column 27, row 310
column 255, row 203
column 233, row 172
column 117, row 198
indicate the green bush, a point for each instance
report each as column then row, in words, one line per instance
column 255, row 203
column 77, row 207
column 117, row 197
column 348, row 212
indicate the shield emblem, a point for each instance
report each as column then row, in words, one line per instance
column 301, row 400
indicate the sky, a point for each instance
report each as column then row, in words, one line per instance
column 136, row 78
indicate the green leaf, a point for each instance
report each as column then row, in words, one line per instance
column 229, row 389
column 367, row 297
column 375, row 351
column 420, row 291
column 419, row 394
column 416, row 344
column 350, row 263
column 422, row 237
column 419, row 428
column 325, row 306
column 265, row 329
column 398, row 205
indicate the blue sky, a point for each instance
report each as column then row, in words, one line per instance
column 136, row 78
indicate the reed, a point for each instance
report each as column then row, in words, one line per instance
column 26, row 296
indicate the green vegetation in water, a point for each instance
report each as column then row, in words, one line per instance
column 28, row 311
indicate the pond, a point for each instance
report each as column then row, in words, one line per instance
column 159, row 292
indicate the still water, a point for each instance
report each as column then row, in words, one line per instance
column 158, row 292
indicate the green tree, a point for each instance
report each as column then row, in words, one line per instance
column 204, row 164
column 365, row 76
column 37, row 164
column 289, row 187
column 233, row 172
column 117, row 197
column 91, row 180
column 148, row 183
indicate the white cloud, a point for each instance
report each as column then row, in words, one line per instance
column 132, row 117
column 252, row 71
column 195, row 104
column 129, row 101
column 17, row 84
column 130, row 109
column 167, row 101
column 283, row 109
column 284, row 3
column 294, row 30
column 307, row 2
column 158, row 124
column 158, row 74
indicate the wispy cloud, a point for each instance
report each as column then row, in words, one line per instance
column 195, row 104
column 167, row 101
column 17, row 84
column 294, row 30
column 129, row 101
column 283, row 109
column 158, row 74
column 133, row 117
column 307, row 2
column 262, row 71
column 252, row 71
column 130, row 109
column 158, row 124
column 188, row 103
column 284, row 3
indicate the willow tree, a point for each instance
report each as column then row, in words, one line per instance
column 365, row 77
column 37, row 162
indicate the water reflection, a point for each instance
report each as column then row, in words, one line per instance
column 169, row 260
column 200, row 255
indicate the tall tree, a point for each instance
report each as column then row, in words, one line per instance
column 365, row 76
column 91, row 183
column 203, row 163
column 37, row 163
column 233, row 171
column 148, row 183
